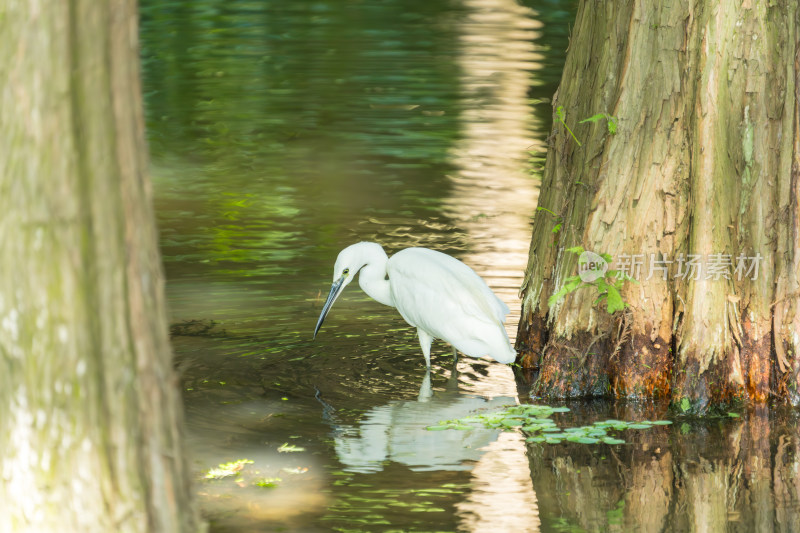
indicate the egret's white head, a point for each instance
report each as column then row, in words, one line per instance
column 348, row 263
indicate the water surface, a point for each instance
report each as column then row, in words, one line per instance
column 283, row 131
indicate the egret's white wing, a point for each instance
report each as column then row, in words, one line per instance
column 436, row 292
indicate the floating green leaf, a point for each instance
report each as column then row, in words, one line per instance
column 289, row 448
column 268, row 482
column 227, row 469
column 535, row 423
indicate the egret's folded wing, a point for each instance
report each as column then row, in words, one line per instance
column 426, row 281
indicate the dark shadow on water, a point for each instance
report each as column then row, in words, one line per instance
column 723, row 474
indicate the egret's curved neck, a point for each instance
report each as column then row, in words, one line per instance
column 372, row 279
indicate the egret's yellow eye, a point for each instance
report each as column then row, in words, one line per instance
column 346, row 271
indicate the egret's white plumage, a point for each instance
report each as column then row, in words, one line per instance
column 437, row 294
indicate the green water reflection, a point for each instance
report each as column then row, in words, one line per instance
column 281, row 132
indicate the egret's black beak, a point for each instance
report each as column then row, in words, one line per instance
column 336, row 290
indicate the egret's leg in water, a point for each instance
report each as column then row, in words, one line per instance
column 425, row 341
column 452, row 381
column 425, row 389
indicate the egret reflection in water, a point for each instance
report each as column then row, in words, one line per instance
column 397, row 432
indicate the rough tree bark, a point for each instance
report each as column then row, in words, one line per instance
column 706, row 161
column 90, row 411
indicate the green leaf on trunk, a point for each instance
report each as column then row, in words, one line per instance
column 593, row 118
column 570, row 284
column 615, row 302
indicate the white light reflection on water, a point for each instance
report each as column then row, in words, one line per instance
column 502, row 497
column 493, row 194
column 493, row 197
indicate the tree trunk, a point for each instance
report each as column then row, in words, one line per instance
column 90, row 413
column 705, row 165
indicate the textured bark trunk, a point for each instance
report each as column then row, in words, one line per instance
column 90, row 412
column 704, row 163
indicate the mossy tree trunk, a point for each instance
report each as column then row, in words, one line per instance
column 706, row 163
column 90, row 414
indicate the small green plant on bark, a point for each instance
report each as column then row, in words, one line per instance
column 561, row 118
column 607, row 283
column 558, row 219
column 611, row 122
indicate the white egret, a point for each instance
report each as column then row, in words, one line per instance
column 437, row 294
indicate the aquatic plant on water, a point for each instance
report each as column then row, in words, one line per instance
column 535, row 422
